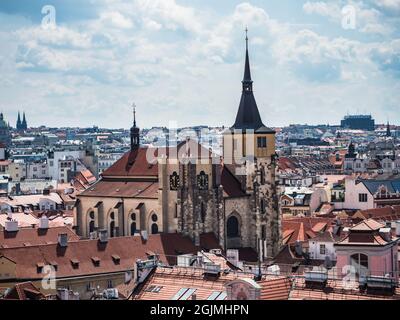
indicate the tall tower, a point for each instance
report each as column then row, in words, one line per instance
column 18, row 125
column 254, row 142
column 388, row 133
column 135, row 132
column 24, row 124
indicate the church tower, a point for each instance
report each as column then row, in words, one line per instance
column 18, row 124
column 250, row 145
column 24, row 124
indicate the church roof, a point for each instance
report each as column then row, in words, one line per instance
column 127, row 189
column 232, row 186
column 132, row 163
column 142, row 162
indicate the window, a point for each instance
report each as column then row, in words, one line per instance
column 133, row 228
column 203, row 212
column 262, row 206
column 360, row 262
column 89, row 286
column 174, row 182
column 154, row 228
column 202, row 181
column 154, row 217
column 261, row 142
column 109, row 284
column 263, row 233
column 232, row 227
column 362, row 197
column 322, row 249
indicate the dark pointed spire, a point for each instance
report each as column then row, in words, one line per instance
column 18, row 126
column 247, row 73
column 24, row 124
column 388, row 133
column 135, row 132
column 248, row 116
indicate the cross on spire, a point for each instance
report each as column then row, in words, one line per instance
column 247, row 38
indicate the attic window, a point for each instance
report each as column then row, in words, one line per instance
column 96, row 261
column 75, row 263
column 39, row 267
column 116, row 258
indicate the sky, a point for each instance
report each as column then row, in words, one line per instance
column 85, row 62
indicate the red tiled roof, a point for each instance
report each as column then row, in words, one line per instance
column 367, row 225
column 303, row 229
column 34, row 236
column 24, row 291
column 167, row 246
column 129, row 189
column 142, row 162
column 275, row 288
column 334, row 290
column 133, row 163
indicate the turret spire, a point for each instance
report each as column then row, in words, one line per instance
column 248, row 116
column 135, row 131
column 247, row 73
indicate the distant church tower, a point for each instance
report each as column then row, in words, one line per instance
column 18, row 125
column 388, row 133
column 251, row 140
column 21, row 125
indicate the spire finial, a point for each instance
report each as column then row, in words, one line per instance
column 134, row 114
column 247, row 38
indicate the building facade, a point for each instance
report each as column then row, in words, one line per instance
column 187, row 189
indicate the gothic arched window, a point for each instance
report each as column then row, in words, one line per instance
column 91, row 226
column 202, row 181
column 174, row 181
column 262, row 206
column 112, row 229
column 111, row 224
column 232, row 227
column 203, row 212
column 133, row 228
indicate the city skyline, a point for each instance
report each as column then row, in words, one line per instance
column 89, row 68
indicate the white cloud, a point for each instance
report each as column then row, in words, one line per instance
column 186, row 63
column 116, row 19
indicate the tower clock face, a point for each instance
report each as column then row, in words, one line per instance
column 202, row 181
column 174, row 181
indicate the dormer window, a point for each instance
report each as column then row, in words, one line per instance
column 96, row 261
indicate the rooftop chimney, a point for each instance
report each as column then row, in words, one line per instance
column 386, row 233
column 11, row 226
column 63, row 240
column 43, row 222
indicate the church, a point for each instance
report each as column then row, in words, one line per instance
column 237, row 201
